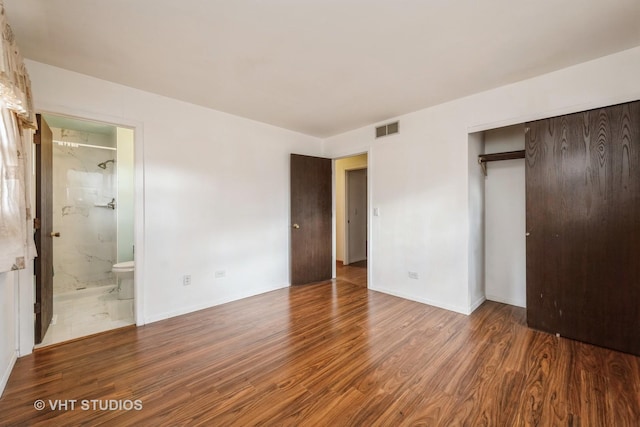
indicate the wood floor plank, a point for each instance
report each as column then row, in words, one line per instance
column 333, row 353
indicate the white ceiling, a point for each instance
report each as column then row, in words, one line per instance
column 320, row 67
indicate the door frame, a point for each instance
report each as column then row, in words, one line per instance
column 347, row 234
column 370, row 240
column 26, row 324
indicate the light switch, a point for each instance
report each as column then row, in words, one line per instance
column 376, row 211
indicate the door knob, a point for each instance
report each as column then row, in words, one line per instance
column 296, row 226
column 55, row 234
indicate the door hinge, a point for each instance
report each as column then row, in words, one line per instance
column 37, row 308
column 36, row 223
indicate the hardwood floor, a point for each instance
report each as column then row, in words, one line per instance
column 329, row 354
column 355, row 273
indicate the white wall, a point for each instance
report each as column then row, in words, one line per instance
column 8, row 319
column 505, row 245
column 215, row 191
column 341, row 166
column 420, row 177
column 476, row 146
column 16, row 296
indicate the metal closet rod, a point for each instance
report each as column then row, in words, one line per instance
column 493, row 157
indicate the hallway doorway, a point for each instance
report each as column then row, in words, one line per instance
column 351, row 211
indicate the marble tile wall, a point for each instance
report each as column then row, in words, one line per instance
column 86, row 249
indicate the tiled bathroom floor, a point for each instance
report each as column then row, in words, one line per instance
column 85, row 312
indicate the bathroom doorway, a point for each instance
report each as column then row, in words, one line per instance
column 92, row 228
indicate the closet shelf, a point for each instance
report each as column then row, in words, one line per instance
column 494, row 157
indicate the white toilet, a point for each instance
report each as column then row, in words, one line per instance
column 124, row 272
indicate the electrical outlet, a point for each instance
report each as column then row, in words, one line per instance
column 186, row 280
column 413, row 275
column 220, row 274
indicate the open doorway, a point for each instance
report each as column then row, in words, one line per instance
column 351, row 218
column 92, row 214
column 355, row 229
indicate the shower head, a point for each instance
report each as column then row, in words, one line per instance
column 103, row 165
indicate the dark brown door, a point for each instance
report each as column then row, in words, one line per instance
column 311, row 236
column 583, row 225
column 43, row 140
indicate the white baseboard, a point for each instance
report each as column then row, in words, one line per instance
column 477, row 304
column 7, row 373
column 455, row 308
column 208, row 304
column 510, row 301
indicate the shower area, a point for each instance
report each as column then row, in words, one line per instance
column 93, row 224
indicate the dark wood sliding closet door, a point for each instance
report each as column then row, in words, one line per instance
column 583, row 225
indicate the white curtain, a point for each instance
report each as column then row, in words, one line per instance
column 16, row 118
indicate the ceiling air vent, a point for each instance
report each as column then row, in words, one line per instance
column 388, row 129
